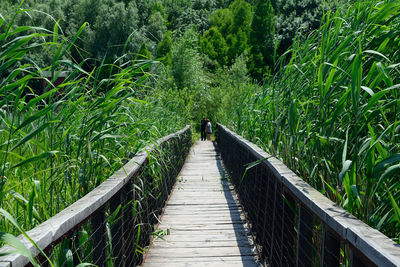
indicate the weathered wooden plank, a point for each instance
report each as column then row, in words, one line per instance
column 209, row 232
column 204, row 221
column 220, row 259
column 201, row 202
column 206, row 264
column 218, row 213
column 198, row 244
column 207, row 252
column 221, row 236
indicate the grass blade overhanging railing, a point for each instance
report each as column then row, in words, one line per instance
column 292, row 223
column 111, row 225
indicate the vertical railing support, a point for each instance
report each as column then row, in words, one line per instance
column 304, row 245
column 289, row 234
column 267, row 218
column 77, row 252
column 128, row 225
column 98, row 222
column 259, row 203
column 276, row 240
column 300, row 227
column 356, row 260
column 331, row 249
column 116, row 230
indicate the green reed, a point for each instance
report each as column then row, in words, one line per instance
column 57, row 145
column 331, row 112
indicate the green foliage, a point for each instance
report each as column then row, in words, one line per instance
column 57, row 145
column 230, row 84
column 143, row 53
column 158, row 7
column 295, row 17
column 331, row 112
column 223, row 20
column 242, row 16
column 183, row 15
column 238, row 44
column 187, row 69
column 227, row 38
column 262, row 38
column 164, row 49
column 214, row 45
column 156, row 27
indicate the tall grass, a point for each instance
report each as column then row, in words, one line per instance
column 57, row 145
column 331, row 112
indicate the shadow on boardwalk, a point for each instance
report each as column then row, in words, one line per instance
column 203, row 218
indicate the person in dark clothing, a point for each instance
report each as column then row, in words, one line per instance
column 203, row 129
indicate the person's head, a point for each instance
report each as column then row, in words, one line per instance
column 208, row 120
column 204, row 118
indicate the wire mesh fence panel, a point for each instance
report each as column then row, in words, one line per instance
column 113, row 224
column 292, row 223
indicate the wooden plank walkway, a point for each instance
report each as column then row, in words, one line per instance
column 203, row 220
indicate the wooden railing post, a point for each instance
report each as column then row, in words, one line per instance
column 356, row 260
column 276, row 240
column 304, row 244
column 128, row 225
column 260, row 199
column 289, row 234
column 331, row 249
column 116, row 230
column 77, row 252
column 41, row 259
column 267, row 218
column 98, row 221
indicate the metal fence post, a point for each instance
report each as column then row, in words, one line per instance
column 128, row 225
column 276, row 231
column 98, row 222
column 331, row 249
column 116, row 230
column 304, row 245
column 288, row 233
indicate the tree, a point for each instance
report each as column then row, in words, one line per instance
column 110, row 33
column 143, row 53
column 262, row 38
column 233, row 24
column 187, row 69
column 223, row 20
column 156, row 27
column 237, row 45
column 213, row 44
column 297, row 17
column 242, row 16
column 192, row 17
column 164, row 49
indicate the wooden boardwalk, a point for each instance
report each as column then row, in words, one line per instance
column 202, row 222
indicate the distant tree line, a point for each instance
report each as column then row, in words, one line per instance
column 147, row 29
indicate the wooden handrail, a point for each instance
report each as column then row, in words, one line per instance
column 368, row 246
column 55, row 229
